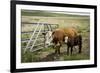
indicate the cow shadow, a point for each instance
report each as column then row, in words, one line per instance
column 58, row 57
column 52, row 57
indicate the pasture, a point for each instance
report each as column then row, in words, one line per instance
column 81, row 23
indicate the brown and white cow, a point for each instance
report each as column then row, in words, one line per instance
column 66, row 35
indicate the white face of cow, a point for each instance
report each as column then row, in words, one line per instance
column 48, row 38
column 66, row 39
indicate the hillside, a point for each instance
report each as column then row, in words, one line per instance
column 47, row 14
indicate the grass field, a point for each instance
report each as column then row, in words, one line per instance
column 81, row 23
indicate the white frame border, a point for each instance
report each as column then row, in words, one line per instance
column 20, row 65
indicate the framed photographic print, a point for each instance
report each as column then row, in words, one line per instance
column 52, row 36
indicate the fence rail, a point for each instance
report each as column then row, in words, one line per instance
column 26, row 32
column 34, row 45
column 26, row 40
column 36, row 23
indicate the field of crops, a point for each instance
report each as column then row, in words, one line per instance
column 81, row 23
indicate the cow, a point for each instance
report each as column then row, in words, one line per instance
column 63, row 35
column 75, row 41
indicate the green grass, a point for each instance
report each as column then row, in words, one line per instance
column 76, row 57
column 33, row 56
column 29, row 56
column 39, row 56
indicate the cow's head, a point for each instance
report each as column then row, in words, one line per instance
column 48, row 38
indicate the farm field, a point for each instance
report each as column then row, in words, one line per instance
column 80, row 22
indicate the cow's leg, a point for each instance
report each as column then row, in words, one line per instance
column 80, row 44
column 72, row 44
column 80, row 47
column 71, row 50
column 58, row 49
column 58, row 45
column 67, row 50
column 55, row 50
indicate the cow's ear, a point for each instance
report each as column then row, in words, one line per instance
column 53, row 32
